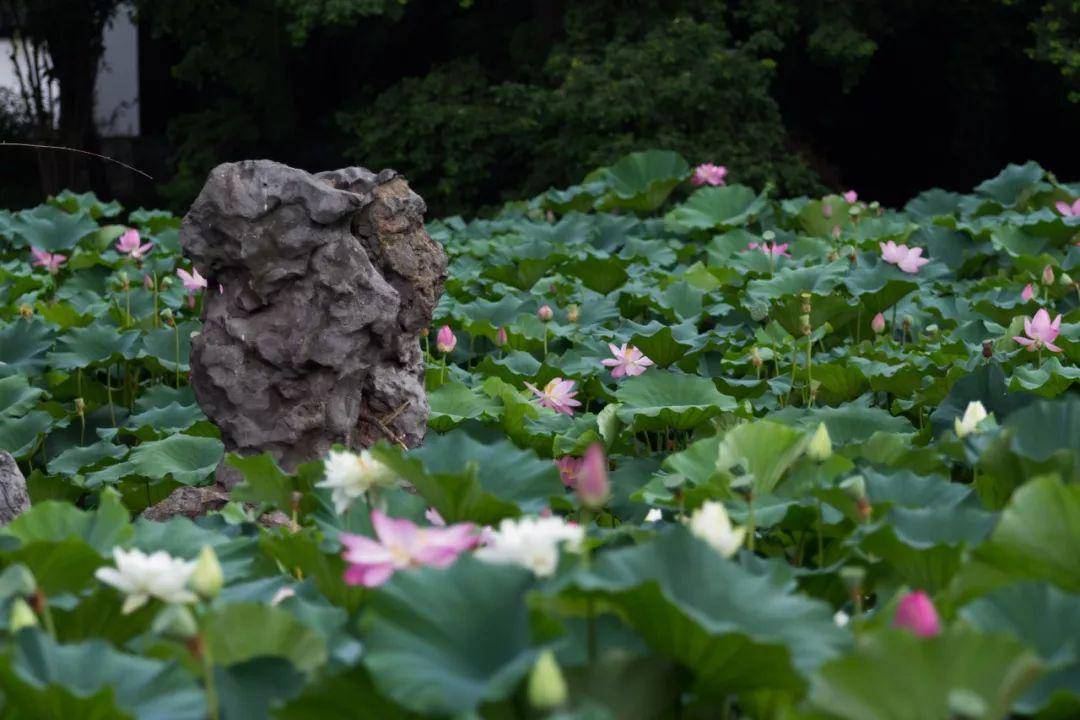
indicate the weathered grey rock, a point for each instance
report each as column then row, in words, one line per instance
column 325, row 282
column 13, row 496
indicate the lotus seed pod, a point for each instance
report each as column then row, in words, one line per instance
column 759, row 311
column 768, row 236
column 987, row 349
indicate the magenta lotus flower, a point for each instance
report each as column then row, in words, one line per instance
column 1041, row 332
column 893, row 253
column 129, row 244
column 401, row 544
column 709, row 174
column 558, row 395
column 49, row 261
column 916, row 613
column 776, row 249
column 193, row 282
column 1068, row 210
column 569, row 467
column 851, row 197
column 878, row 323
column 912, row 261
column 1028, row 292
column 446, row 341
column 628, row 361
column 593, row 486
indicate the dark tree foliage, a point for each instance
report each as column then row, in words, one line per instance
column 480, row 101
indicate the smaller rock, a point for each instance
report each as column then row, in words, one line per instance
column 191, row 502
column 14, row 499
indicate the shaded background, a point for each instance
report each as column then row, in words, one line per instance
column 478, row 102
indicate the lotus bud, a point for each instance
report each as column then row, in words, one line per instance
column 26, row 311
column 932, row 330
column 1048, row 275
column 80, row 406
column 855, row 487
column 124, row 283
column 547, row 686
column 1065, row 279
column 755, row 357
column 424, row 332
column 208, row 578
column 836, row 231
column 820, row 447
column 550, row 216
column 854, row 210
column 545, row 313
column 593, row 486
column 878, row 323
column 573, row 313
column 988, row 349
column 22, row 616
column 916, row 613
column 148, row 282
column 875, row 205
column 167, row 316
column 446, row 341
column 500, row 337
column 826, row 210
column 165, row 282
column 176, row 622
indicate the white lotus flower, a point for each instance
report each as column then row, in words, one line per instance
column 711, row 523
column 532, row 543
column 349, row 476
column 141, row 577
column 654, row 515
column 973, row 415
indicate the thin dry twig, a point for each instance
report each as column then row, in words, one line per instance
column 5, row 143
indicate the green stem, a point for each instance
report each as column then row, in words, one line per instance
column 176, row 334
column 108, row 391
column 809, row 371
column 157, row 320
column 208, row 676
column 820, row 540
column 751, row 526
column 127, row 293
column 47, row 618
column 545, row 344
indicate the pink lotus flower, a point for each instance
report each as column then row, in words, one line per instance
column 893, row 253
column 709, row 174
column 432, row 516
column 400, row 545
column 545, row 313
column 1068, row 210
column 446, row 341
column 47, row 260
column 569, row 467
column 593, row 486
column 916, row 613
column 628, row 361
column 193, row 281
column 851, row 197
column 1041, row 332
column 129, row 244
column 500, row 337
column 557, row 395
column 878, row 323
column 912, row 261
column 1028, row 292
column 776, row 249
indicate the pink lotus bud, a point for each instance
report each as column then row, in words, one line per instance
column 836, row 232
column 1028, row 293
column 878, row 323
column 148, row 282
column 1048, row 275
column 826, row 210
column 500, row 337
column 446, row 341
column 593, row 487
column 545, row 313
column 851, row 196
column 916, row 613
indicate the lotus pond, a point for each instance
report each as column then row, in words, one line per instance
column 830, row 469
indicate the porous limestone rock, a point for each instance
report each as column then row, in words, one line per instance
column 319, row 287
column 14, row 498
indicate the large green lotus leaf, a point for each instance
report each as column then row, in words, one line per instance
column 1038, row 615
column 161, row 344
column 347, row 696
column 171, row 418
column 1037, row 538
column 23, row 346
column 50, row 228
column 604, row 275
column 43, row 679
column 74, row 459
column 933, row 203
column 19, row 436
column 265, row 482
column 576, row 198
column 851, row 423
column 893, row 675
column 87, row 291
column 663, row 344
column 792, row 281
column 17, row 396
column 757, row 454
column 1013, row 185
column 716, row 207
column 641, row 181
column 238, row 632
column 453, row 403
column 447, row 656
column 659, row 399
column 97, row 343
column 182, row 538
column 71, row 202
column 734, row 630
column 1049, row 380
column 473, row 474
column 187, row 459
column 482, row 314
column 248, row 690
column 1047, row 428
